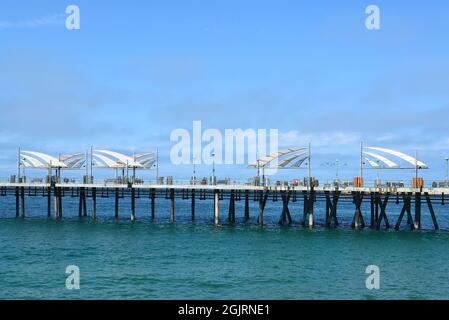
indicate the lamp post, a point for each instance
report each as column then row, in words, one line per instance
column 194, row 171
column 18, row 165
column 447, row 169
column 336, row 172
column 213, row 168
column 378, row 165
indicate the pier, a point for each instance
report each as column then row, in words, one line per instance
column 326, row 198
column 412, row 200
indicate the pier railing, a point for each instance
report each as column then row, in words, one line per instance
column 322, row 184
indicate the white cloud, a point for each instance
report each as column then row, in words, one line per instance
column 33, row 23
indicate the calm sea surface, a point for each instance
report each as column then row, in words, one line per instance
column 194, row 260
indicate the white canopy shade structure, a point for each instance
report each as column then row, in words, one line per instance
column 74, row 160
column 119, row 158
column 383, row 156
column 265, row 160
column 147, row 160
column 385, row 161
column 39, row 160
column 372, row 163
column 110, row 159
column 289, row 162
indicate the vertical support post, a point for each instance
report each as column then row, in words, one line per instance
column 172, row 205
column 55, row 201
column 246, row 213
column 361, row 164
column 406, row 208
column 84, row 202
column 432, row 212
column 216, row 207
column 60, row 202
column 285, row 214
column 153, row 196
column 22, row 202
column 94, row 203
column 357, row 220
column 17, row 202
column 80, row 204
column 376, row 207
column 261, row 207
column 231, row 215
column 133, row 204
column 418, row 210
column 116, row 203
column 193, row 204
column 373, row 217
column 48, row 201
column 311, row 200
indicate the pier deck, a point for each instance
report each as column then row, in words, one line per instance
column 412, row 200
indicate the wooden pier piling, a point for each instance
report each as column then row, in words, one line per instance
column 382, row 204
column 331, row 208
column 357, row 220
column 246, row 213
column 22, row 202
column 133, row 204
column 285, row 213
column 116, row 203
column 432, row 212
column 172, row 205
column 48, row 202
column 262, row 202
column 375, row 199
column 216, row 207
column 153, row 197
column 307, row 217
column 406, row 208
column 17, row 202
column 231, row 213
column 192, row 204
column 94, row 203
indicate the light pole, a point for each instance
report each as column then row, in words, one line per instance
column 378, row 165
column 213, row 168
column 194, row 171
column 336, row 172
column 447, row 169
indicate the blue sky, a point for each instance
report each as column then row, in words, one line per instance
column 136, row 70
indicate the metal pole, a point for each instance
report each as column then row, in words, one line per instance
column 263, row 175
column 18, row 165
column 157, row 165
column 258, row 169
column 194, row 172
column 361, row 162
column 213, row 168
column 127, row 173
column 308, row 171
column 91, row 164
column 134, row 167
column 447, row 169
column 336, row 172
column 87, row 163
column 416, row 165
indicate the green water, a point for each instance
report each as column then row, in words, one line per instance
column 155, row 260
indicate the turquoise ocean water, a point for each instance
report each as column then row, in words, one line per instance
column 194, row 260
